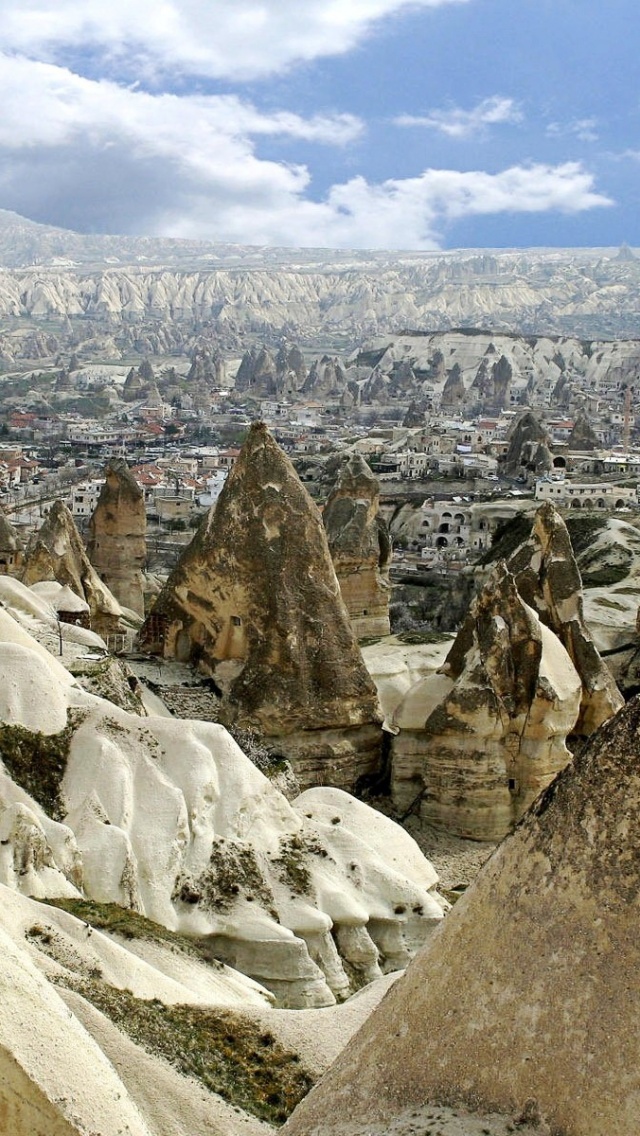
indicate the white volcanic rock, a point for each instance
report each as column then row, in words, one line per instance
column 55, row 1080
column 169, row 817
column 395, row 667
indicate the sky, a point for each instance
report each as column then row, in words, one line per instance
column 325, row 123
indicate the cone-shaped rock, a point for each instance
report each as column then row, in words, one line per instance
column 582, row 437
column 360, row 546
column 255, row 602
column 56, row 552
column 117, row 531
column 548, row 579
column 528, row 447
column 529, row 990
column 481, row 739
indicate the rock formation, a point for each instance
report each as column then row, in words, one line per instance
column 255, row 603
column 360, row 547
column 327, row 376
column 582, row 437
column 56, row 552
column 479, row 740
column 528, row 447
column 548, row 579
column 262, row 375
column 11, row 548
column 525, row 1001
column 170, row 819
column 117, row 531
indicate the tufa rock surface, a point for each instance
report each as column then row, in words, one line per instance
column 56, row 552
column 525, row 1001
column 548, row 579
column 254, row 602
column 528, row 447
column 360, row 547
column 117, row 532
column 11, row 548
column 479, row 740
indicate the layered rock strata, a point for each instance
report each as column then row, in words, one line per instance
column 360, row 547
column 525, row 1000
column 117, row 532
column 479, row 740
column 254, row 602
column 56, row 552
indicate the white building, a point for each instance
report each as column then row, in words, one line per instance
column 574, row 495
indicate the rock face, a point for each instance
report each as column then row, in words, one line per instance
column 117, row 531
column 479, row 740
column 519, row 996
column 528, row 448
column 11, row 548
column 582, row 437
column 548, row 579
column 254, row 602
column 360, row 547
column 56, row 552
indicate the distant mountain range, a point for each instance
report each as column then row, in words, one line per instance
column 315, row 296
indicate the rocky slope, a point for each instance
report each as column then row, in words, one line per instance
column 507, row 1009
column 314, row 294
column 168, row 818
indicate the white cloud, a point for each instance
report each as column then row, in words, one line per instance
column 583, row 128
column 458, row 123
column 95, row 155
column 224, row 38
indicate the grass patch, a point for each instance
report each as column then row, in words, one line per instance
column 583, row 531
column 128, row 924
column 37, row 762
column 423, row 637
column 291, row 863
column 229, row 1054
column 603, row 601
column 233, row 872
column 507, row 537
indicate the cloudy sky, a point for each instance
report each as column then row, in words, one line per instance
column 340, row 123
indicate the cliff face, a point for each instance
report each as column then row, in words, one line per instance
column 360, row 547
column 56, row 552
column 255, row 603
column 527, row 993
column 479, row 740
column 117, row 529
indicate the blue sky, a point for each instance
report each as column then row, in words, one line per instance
column 337, row 123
